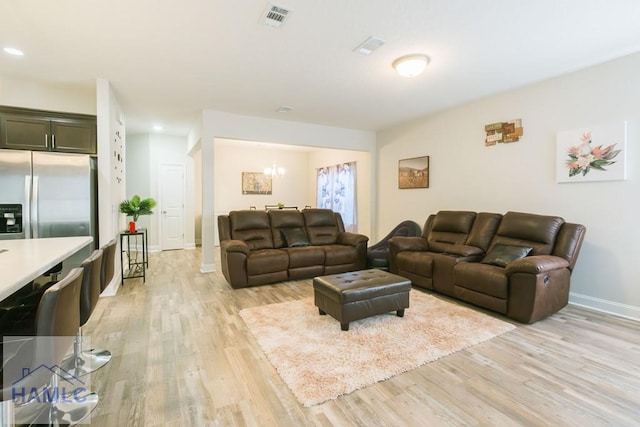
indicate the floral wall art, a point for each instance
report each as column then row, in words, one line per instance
column 592, row 153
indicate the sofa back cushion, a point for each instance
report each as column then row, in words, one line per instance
column 252, row 227
column 322, row 226
column 284, row 222
column 450, row 227
column 483, row 230
column 524, row 229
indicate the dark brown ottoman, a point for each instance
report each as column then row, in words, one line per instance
column 359, row 294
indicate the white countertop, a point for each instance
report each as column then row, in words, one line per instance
column 26, row 259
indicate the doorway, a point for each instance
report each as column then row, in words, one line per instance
column 171, row 206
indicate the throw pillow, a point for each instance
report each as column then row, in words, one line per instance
column 501, row 255
column 295, row 237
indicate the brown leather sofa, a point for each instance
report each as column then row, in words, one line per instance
column 258, row 247
column 517, row 264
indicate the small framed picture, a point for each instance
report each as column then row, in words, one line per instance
column 413, row 173
column 256, row 183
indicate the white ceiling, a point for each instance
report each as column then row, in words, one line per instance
column 167, row 60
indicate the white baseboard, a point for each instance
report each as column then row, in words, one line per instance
column 114, row 286
column 605, row 306
column 190, row 246
column 207, row 268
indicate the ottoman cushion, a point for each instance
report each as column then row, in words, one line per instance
column 360, row 294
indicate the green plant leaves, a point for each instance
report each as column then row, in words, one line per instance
column 137, row 206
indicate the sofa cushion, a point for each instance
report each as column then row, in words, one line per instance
column 501, row 255
column 252, row 227
column 267, row 261
column 305, row 256
column 525, row 229
column 339, row 254
column 322, row 226
column 482, row 278
column 420, row 263
column 451, row 227
column 295, row 237
column 284, row 219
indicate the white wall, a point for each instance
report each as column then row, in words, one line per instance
column 233, row 159
column 216, row 124
column 145, row 155
column 296, row 188
column 464, row 174
column 111, row 169
column 62, row 97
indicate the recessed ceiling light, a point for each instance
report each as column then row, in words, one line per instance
column 13, row 51
column 157, row 128
column 284, row 109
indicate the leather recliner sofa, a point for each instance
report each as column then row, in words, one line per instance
column 258, row 247
column 517, row 264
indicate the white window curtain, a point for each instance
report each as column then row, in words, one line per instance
column 336, row 190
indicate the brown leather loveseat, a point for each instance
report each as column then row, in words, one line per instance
column 517, row 264
column 258, row 247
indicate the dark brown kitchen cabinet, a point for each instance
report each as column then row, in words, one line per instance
column 24, row 129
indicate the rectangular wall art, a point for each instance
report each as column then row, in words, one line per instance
column 256, row 183
column 413, row 173
column 592, row 153
column 503, row 132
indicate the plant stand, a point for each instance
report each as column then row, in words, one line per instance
column 136, row 265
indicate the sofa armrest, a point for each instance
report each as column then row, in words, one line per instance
column 351, row 239
column 401, row 243
column 536, row 264
column 234, row 246
column 463, row 250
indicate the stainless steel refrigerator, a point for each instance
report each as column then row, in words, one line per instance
column 44, row 194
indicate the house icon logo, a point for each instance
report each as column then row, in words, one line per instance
column 48, row 384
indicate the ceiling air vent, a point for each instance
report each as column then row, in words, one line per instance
column 369, row 45
column 275, row 15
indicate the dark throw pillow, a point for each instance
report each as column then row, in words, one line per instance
column 295, row 237
column 501, row 255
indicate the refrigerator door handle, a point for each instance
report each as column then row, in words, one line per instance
column 34, row 207
column 26, row 216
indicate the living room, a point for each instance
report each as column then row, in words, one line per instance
column 464, row 174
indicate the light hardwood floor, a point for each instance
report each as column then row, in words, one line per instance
column 182, row 356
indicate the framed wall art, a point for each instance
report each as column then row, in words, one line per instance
column 256, row 183
column 503, row 132
column 592, row 153
column 413, row 173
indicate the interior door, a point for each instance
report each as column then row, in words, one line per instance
column 172, row 206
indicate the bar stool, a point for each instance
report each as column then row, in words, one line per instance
column 85, row 362
column 108, row 260
column 37, row 359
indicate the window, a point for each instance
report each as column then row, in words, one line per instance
column 336, row 190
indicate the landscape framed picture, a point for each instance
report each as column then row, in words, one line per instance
column 256, row 183
column 413, row 173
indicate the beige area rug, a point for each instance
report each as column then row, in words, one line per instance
column 320, row 362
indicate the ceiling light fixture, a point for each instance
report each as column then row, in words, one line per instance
column 274, row 171
column 411, row 65
column 13, row 51
column 158, row 128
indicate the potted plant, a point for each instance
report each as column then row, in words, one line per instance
column 136, row 207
